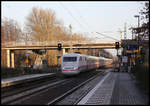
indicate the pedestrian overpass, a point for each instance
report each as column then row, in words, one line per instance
column 11, row 47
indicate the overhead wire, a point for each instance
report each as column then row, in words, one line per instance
column 71, row 14
column 84, row 22
column 107, row 36
column 83, row 19
column 89, row 26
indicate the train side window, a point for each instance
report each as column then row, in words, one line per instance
column 80, row 59
column 83, row 58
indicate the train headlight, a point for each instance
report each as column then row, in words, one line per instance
column 75, row 68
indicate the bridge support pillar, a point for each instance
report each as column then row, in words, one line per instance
column 64, row 51
column 8, row 58
column 12, row 59
column 99, row 53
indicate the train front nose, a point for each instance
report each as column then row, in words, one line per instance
column 69, row 64
column 73, row 68
column 70, row 70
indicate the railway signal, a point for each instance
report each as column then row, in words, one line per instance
column 117, row 45
column 59, row 49
column 59, row 46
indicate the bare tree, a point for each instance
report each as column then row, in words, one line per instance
column 42, row 24
column 11, row 30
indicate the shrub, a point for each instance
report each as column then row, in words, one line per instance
column 142, row 75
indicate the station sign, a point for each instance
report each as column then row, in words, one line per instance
column 138, row 55
column 26, row 61
column 132, row 47
column 27, row 54
column 131, row 51
column 124, row 59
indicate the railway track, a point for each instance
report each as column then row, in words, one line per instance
column 48, row 92
column 15, row 92
column 17, row 88
column 60, row 98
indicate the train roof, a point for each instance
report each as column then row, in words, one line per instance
column 77, row 54
column 72, row 54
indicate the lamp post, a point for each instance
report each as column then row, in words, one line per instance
column 137, row 16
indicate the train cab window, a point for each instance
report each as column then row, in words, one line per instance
column 69, row 59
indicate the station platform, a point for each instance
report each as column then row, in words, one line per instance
column 21, row 79
column 116, row 88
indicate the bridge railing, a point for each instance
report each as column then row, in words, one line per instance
column 46, row 43
column 30, row 43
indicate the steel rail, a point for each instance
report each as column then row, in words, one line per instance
column 53, row 102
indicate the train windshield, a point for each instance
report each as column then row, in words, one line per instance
column 70, row 59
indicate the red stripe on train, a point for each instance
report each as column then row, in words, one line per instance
column 70, row 70
column 82, row 67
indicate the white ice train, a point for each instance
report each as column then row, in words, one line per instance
column 74, row 63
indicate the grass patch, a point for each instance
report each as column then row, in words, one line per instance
column 10, row 72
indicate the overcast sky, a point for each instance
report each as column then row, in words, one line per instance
column 85, row 17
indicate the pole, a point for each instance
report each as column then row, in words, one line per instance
column 26, row 39
column 120, row 35
column 118, row 61
column 117, row 52
column 132, row 33
column 138, row 33
column 125, row 31
column 71, row 37
column 138, row 21
column 137, row 16
column 58, row 57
